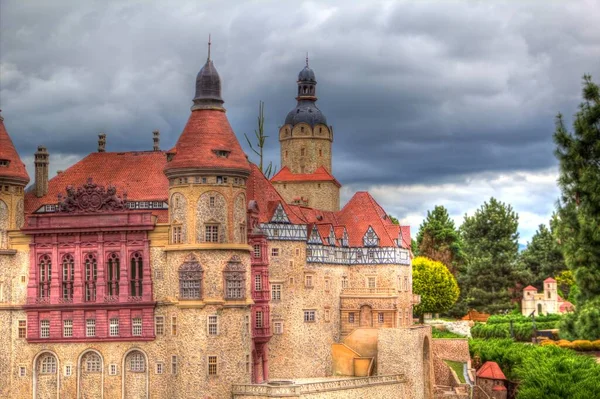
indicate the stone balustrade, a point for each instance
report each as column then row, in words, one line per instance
column 362, row 291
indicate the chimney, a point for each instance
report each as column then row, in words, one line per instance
column 101, row 142
column 156, row 139
column 41, row 171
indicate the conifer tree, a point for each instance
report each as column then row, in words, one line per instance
column 438, row 239
column 542, row 257
column 578, row 154
column 489, row 281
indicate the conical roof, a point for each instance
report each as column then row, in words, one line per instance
column 12, row 169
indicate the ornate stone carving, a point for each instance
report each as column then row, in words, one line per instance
column 91, row 198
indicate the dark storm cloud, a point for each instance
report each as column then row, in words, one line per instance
column 416, row 91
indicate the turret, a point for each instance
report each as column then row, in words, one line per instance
column 13, row 179
column 42, row 160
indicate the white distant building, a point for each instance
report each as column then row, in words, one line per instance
column 545, row 302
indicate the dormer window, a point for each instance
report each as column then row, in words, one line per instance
column 221, row 153
column 4, row 163
column 370, row 239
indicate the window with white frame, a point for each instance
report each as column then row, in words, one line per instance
column 136, row 327
column 137, row 363
column 276, row 292
column 371, row 282
column 213, row 325
column 159, row 368
column 274, row 252
column 45, row 329
column 380, row 318
column 48, row 364
column 351, row 317
column 344, row 282
column 308, row 281
column 256, row 251
column 93, row 364
column 309, row 316
column 22, row 371
column 90, row 328
column 112, row 369
column 212, row 365
column 278, row 327
column 258, row 319
column 68, row 370
column 159, row 325
column 22, row 328
column 211, row 232
column 67, row 328
column 113, row 329
column 257, row 282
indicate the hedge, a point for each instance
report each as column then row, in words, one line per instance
column 523, row 331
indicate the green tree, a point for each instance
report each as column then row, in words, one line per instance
column 438, row 239
column 578, row 154
column 542, row 257
column 436, row 285
column 490, row 277
column 414, row 247
column 565, row 283
column 394, row 220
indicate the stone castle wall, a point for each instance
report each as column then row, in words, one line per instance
column 304, row 149
column 320, row 195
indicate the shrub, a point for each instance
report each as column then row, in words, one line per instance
column 522, row 331
column 437, row 333
column 563, row 343
column 542, row 371
column 547, row 342
column 582, row 345
column 596, row 345
column 501, row 319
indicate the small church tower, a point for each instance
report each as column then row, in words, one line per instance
column 13, row 179
column 306, row 176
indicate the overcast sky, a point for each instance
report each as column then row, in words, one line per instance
column 431, row 102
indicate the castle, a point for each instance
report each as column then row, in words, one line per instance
column 188, row 274
column 546, row 302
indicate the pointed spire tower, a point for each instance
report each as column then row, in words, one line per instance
column 305, row 142
column 209, row 162
column 13, row 179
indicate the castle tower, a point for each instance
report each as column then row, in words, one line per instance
column 305, row 177
column 528, row 301
column 13, row 179
column 551, row 295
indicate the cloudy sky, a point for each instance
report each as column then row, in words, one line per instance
column 446, row 102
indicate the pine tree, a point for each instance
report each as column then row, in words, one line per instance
column 542, row 257
column 579, row 210
column 438, row 239
column 489, row 281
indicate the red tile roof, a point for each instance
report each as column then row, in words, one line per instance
column 206, row 132
column 491, row 370
column 15, row 171
column 321, row 174
column 549, row 280
column 530, row 288
column 499, row 388
column 138, row 173
column 566, row 306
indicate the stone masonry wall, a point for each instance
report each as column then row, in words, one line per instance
column 320, row 195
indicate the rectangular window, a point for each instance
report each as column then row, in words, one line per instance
column 177, row 236
column 371, row 282
column 90, row 328
column 67, row 328
column 136, row 327
column 344, row 282
column 257, row 251
column 309, row 316
column 212, row 233
column 380, row 318
column 247, row 321
column 112, row 369
column 327, row 315
column 174, row 325
column 22, row 328
column 351, row 318
column 68, row 370
column 174, row 364
column 274, row 251
column 213, row 325
column 405, row 283
column 219, row 179
column 327, row 285
column 204, row 180
column 22, row 371
column 159, row 368
column 308, row 281
column 211, row 202
column 159, row 325
column 45, row 329
column 212, row 365
column 297, row 251
column 258, row 319
column 278, row 327
column 258, row 282
column 276, row 292
column 247, row 363
column 114, row 327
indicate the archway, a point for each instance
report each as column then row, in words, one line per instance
column 366, row 316
column 46, row 376
column 426, row 369
column 135, row 375
column 539, row 309
column 90, row 375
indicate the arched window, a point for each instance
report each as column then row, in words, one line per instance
column 68, row 276
column 137, row 363
column 45, row 266
column 235, row 279
column 136, row 274
column 190, row 279
column 91, row 275
column 93, row 364
column 48, row 364
column 113, row 271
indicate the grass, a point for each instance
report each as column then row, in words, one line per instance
column 458, row 369
column 437, row 333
